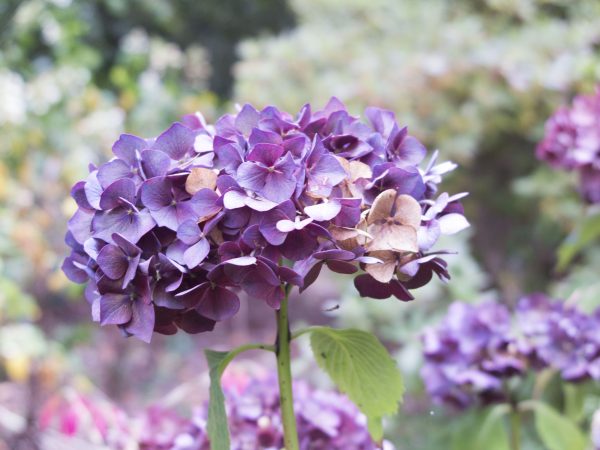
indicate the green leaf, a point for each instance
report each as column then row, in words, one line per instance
column 492, row 433
column 217, row 427
column 481, row 429
column 362, row 368
column 574, row 399
column 557, row 432
column 586, row 232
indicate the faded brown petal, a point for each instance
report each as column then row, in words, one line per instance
column 384, row 271
column 407, row 211
column 350, row 238
column 390, row 236
column 200, row 178
column 354, row 170
column 381, row 209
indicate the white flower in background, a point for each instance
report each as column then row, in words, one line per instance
column 136, row 42
column 28, row 13
column 13, row 107
column 165, row 55
column 197, row 68
column 43, row 92
column 103, row 122
column 51, row 30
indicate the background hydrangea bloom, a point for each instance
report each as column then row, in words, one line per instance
column 477, row 348
column 171, row 229
column 572, row 142
column 326, row 420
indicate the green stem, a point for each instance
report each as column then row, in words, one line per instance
column 515, row 429
column 284, row 374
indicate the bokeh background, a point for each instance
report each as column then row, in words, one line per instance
column 475, row 78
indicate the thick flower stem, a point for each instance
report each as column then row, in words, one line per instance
column 284, row 374
column 515, row 429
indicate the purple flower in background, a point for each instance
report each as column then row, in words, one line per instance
column 170, row 231
column 572, row 142
column 476, row 348
column 326, row 420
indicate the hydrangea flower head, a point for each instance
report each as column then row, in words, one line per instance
column 572, row 142
column 477, row 348
column 172, row 229
column 326, row 419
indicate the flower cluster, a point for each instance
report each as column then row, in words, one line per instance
column 168, row 231
column 85, row 419
column 326, row 420
column 477, row 348
column 572, row 142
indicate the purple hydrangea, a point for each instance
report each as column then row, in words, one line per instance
column 471, row 354
column 172, row 229
column 326, row 420
column 572, row 142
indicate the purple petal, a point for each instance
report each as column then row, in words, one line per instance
column 80, row 225
column 299, row 245
column 132, row 226
column 112, row 171
column 155, row 163
column 166, row 217
column 428, row 234
column 93, row 246
column 246, row 119
column 78, row 194
column 268, row 154
column 192, row 322
column 142, row 321
column 112, row 261
column 258, row 136
column 74, row 272
column 382, row 120
column 368, row 286
column 411, row 151
column 343, row 267
column 127, row 148
column 131, row 270
column 176, row 142
column 128, row 248
column 115, row 192
column 194, row 255
column 157, row 193
column 189, row 232
column 93, row 190
column 251, row 176
column 204, row 203
column 229, row 157
column 115, row 309
column 218, row 304
column 335, row 253
column 268, row 227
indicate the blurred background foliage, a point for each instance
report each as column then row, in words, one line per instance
column 476, row 79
